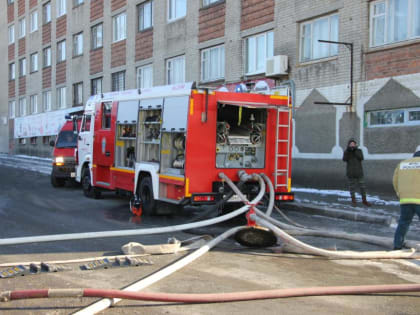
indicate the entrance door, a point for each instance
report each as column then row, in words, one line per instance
column 104, row 144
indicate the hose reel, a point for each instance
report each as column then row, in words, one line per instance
column 179, row 145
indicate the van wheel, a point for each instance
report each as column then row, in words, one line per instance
column 57, row 182
column 88, row 190
column 146, row 196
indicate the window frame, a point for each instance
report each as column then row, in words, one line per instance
column 173, row 4
column 61, row 8
column 33, row 105
column 12, row 109
column 255, row 37
column 92, row 83
column 61, row 53
column 405, row 123
column 22, row 28
column 33, row 23
column 46, row 57
column 117, row 34
column 140, row 76
column 46, row 13
column 221, row 66
column 78, row 94
column 94, row 36
column 168, row 69
column 77, row 3
column 12, row 71
column 22, row 106
column 78, row 49
column 388, row 30
column 333, row 50
column 22, row 67
column 118, row 73
column 61, row 97
column 11, row 34
column 140, row 14
column 46, row 101
column 33, row 69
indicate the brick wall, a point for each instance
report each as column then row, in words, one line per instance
column 21, row 47
column 393, row 62
column 11, row 52
column 61, row 26
column 22, row 85
column 46, row 78
column 10, row 13
column 144, row 45
column 116, row 4
column 46, row 33
column 21, row 7
column 60, row 74
column 32, row 3
column 96, row 9
column 118, row 54
column 96, row 61
column 256, row 12
column 12, row 88
column 211, row 22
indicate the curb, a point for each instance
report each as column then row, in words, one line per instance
column 339, row 214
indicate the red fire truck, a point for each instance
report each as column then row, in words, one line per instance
column 169, row 143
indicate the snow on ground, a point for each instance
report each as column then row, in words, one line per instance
column 31, row 163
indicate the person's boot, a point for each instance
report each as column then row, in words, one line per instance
column 353, row 200
column 365, row 202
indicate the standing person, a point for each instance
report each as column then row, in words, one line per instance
column 353, row 156
column 406, row 184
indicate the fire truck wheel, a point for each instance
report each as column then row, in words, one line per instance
column 146, row 196
column 57, row 182
column 88, row 190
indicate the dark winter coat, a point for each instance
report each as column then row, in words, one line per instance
column 354, row 159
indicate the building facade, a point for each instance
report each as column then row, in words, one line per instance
column 59, row 52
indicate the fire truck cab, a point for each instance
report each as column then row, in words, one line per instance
column 169, row 143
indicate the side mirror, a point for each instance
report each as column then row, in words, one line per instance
column 52, row 143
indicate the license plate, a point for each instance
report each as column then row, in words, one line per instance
column 72, row 174
column 234, row 198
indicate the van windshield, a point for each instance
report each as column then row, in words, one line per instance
column 66, row 139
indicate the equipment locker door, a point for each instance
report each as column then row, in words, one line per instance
column 104, row 144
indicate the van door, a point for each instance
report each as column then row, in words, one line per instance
column 85, row 141
column 104, row 144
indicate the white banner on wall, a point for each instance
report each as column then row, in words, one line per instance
column 45, row 124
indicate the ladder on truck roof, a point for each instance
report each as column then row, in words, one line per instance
column 283, row 138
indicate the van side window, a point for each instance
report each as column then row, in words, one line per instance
column 86, row 123
column 106, row 115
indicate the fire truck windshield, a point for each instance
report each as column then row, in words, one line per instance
column 66, row 139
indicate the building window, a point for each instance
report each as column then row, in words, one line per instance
column 33, row 21
column 33, row 103
column 11, row 31
column 22, row 141
column 394, row 117
column 176, row 9
column 258, row 49
column 61, row 97
column 77, row 2
column 61, row 7
column 97, row 36
column 22, row 28
column 46, row 140
column 325, row 28
column 78, row 44
column 12, row 71
column 213, row 63
column 78, row 94
column 46, row 13
column 22, row 106
column 12, row 108
column 393, row 21
column 33, row 140
column 208, row 2
column 9, row 2
column 34, row 62
column 145, row 12
column 46, row 57
column 61, row 51
column 46, row 101
column 145, row 77
column 118, row 81
column 175, row 70
column 96, row 86
column 119, row 27
column 22, row 67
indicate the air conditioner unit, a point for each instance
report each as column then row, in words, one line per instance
column 276, row 65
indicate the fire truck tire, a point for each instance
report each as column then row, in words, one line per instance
column 88, row 190
column 146, row 196
column 57, row 182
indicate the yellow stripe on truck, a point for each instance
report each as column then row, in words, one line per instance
column 121, row 170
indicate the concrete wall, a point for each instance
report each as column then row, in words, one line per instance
column 4, row 107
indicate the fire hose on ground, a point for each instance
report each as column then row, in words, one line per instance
column 263, row 219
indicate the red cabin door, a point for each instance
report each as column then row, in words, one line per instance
column 104, row 144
